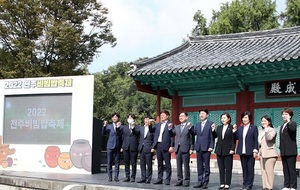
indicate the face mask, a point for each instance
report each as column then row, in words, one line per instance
column 129, row 120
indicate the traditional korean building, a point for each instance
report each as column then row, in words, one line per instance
column 253, row 71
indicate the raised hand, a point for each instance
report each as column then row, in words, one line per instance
column 213, row 126
column 234, row 128
column 132, row 125
column 105, row 123
column 189, row 125
column 119, row 124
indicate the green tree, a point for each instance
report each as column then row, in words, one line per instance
column 201, row 28
column 51, row 38
column 244, row 16
column 115, row 91
column 291, row 15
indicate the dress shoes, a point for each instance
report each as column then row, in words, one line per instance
column 157, row 182
column 109, row 179
column 204, row 187
column 127, row 179
column 167, row 183
column 116, row 179
column 148, row 181
column 132, row 180
column 179, row 183
column 198, row 186
column 186, row 185
column 141, row 181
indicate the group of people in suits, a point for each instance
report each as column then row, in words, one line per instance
column 164, row 138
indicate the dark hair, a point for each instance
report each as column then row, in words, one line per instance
column 131, row 115
column 227, row 115
column 205, row 110
column 115, row 114
column 247, row 113
column 165, row 112
column 148, row 116
column 289, row 111
column 185, row 113
column 266, row 117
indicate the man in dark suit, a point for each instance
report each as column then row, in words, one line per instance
column 130, row 148
column 247, row 148
column 163, row 143
column 113, row 145
column 144, row 148
column 288, row 149
column 184, row 147
column 204, row 146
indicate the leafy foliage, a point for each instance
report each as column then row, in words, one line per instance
column 291, row 16
column 51, row 38
column 115, row 91
column 201, row 28
column 241, row 16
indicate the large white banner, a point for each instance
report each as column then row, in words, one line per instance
column 47, row 124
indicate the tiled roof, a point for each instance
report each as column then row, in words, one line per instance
column 220, row 51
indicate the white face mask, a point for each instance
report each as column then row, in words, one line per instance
column 129, row 120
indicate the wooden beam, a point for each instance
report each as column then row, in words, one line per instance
column 148, row 89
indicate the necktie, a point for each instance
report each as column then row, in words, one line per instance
column 202, row 123
column 181, row 127
column 145, row 132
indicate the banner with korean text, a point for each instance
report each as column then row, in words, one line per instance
column 46, row 124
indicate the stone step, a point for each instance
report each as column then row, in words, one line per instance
column 237, row 169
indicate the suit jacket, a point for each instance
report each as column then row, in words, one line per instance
column 167, row 137
column 288, row 146
column 224, row 145
column 130, row 139
column 204, row 138
column 184, row 139
column 267, row 139
column 114, row 136
column 251, row 140
column 145, row 143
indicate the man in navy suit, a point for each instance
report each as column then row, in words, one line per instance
column 184, row 147
column 247, row 148
column 130, row 148
column 163, row 143
column 144, row 148
column 113, row 145
column 204, row 146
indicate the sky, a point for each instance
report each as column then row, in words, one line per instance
column 147, row 28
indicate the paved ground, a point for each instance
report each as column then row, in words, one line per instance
column 101, row 179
